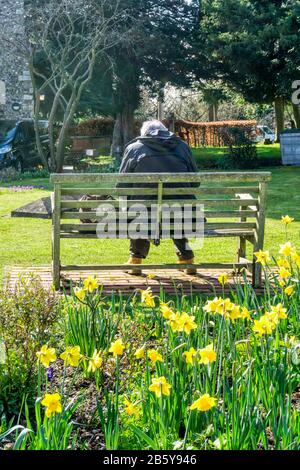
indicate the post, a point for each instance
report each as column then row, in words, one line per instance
column 159, row 210
column 56, row 236
column 259, row 233
column 242, row 240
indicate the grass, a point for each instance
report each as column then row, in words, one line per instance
column 27, row 242
column 207, row 157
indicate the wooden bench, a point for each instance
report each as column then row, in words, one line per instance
column 234, row 206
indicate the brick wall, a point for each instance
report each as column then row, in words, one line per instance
column 17, row 88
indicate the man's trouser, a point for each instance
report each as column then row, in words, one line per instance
column 140, row 249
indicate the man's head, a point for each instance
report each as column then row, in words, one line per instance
column 153, row 128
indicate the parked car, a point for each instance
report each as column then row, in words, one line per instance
column 18, row 143
column 265, row 135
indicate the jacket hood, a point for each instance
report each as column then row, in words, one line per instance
column 163, row 142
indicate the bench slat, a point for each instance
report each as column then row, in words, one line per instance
column 249, row 234
column 150, row 267
column 156, row 177
column 208, row 226
column 153, row 191
column 208, row 214
column 206, row 202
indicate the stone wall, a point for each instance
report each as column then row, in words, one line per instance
column 16, row 88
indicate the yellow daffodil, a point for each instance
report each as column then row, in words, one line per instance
column 262, row 257
column 296, row 259
column 245, row 314
column 80, row 293
column 174, row 321
column 91, row 284
column 140, row 353
column 190, row 356
column 166, row 310
column 117, row 348
column 151, row 276
column 287, row 220
column 96, row 361
column 71, row 356
column 263, row 326
column 52, row 403
column 147, row 298
column 207, row 355
column 224, row 307
column 287, row 249
column 131, row 409
column 187, row 323
column 154, row 356
column 223, row 279
column 46, row 356
column 282, row 283
column 279, row 311
column 284, row 273
column 289, row 290
column 234, row 313
column 211, row 306
column 283, row 263
column 204, row 403
column 160, row 387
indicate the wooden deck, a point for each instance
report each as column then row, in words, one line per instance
column 172, row 282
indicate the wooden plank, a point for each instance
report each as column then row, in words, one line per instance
column 211, row 203
column 158, row 211
column 207, row 233
column 260, row 233
column 151, row 267
column 208, row 214
column 56, row 236
column 89, row 227
column 156, row 177
column 149, row 191
column 110, row 191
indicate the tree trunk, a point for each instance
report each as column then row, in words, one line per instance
column 213, row 112
column 123, row 132
column 296, row 110
column 116, row 146
column 279, row 114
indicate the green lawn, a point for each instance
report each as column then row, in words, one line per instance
column 207, row 157
column 27, row 242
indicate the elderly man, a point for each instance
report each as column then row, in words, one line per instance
column 158, row 151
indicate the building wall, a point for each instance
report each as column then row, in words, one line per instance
column 15, row 83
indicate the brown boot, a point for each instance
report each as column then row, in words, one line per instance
column 190, row 271
column 133, row 260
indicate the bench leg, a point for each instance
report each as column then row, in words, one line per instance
column 56, row 277
column 256, row 274
column 241, row 248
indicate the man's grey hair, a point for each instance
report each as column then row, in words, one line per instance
column 152, row 128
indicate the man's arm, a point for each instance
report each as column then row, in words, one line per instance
column 127, row 166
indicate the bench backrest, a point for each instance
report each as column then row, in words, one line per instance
column 230, row 199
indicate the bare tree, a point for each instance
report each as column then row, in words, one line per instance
column 69, row 35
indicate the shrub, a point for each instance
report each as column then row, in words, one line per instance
column 27, row 317
column 242, row 157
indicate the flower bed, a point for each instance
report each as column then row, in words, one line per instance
column 156, row 373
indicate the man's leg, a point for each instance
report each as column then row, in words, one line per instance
column 139, row 250
column 185, row 254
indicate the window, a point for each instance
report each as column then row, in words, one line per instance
column 2, row 92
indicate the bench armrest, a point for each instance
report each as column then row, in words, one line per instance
column 247, row 197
